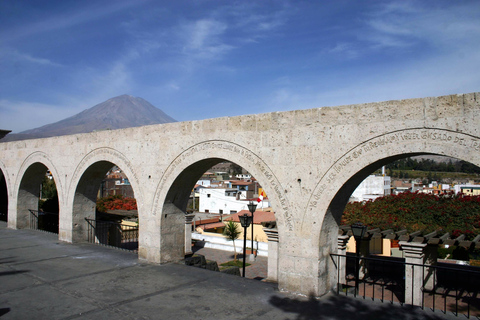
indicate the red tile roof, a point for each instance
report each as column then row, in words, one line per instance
column 212, row 225
column 258, row 216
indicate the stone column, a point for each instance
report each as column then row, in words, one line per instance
column 188, row 233
column 431, row 257
column 342, row 261
column 272, row 234
column 414, row 253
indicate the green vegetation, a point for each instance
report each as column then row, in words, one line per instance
column 429, row 170
column 455, row 214
column 232, row 233
column 430, row 165
column 234, row 263
column 48, row 201
column 49, row 189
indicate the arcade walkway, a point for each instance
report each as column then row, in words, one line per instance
column 42, row 278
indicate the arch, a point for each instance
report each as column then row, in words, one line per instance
column 176, row 183
column 30, row 177
column 4, row 187
column 326, row 204
column 84, row 186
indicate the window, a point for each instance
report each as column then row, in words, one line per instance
column 208, row 195
column 220, row 211
column 233, row 211
column 207, row 211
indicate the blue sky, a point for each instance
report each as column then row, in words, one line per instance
column 204, row 59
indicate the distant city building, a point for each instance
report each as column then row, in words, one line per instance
column 116, row 183
column 467, row 189
column 371, row 188
column 243, row 176
column 226, row 200
column 204, row 183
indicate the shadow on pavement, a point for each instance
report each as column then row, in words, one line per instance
column 8, row 273
column 4, row 311
column 338, row 307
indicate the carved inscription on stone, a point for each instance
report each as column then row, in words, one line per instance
column 43, row 158
column 456, row 140
column 112, row 155
column 208, row 146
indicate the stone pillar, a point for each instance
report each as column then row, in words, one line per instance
column 188, row 233
column 431, row 257
column 272, row 234
column 172, row 234
column 342, row 261
column 414, row 253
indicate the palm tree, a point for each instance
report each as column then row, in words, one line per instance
column 232, row 233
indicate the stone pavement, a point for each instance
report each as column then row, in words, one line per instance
column 256, row 270
column 43, row 278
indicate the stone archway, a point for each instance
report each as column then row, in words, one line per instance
column 84, row 187
column 332, row 192
column 179, row 179
column 30, row 178
column 4, row 187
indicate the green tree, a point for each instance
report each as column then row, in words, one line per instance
column 49, row 189
column 232, row 233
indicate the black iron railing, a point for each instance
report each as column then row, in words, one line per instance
column 46, row 221
column 113, row 234
column 445, row 287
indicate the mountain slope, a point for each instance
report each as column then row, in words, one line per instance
column 120, row 112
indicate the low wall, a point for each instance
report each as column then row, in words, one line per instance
column 221, row 243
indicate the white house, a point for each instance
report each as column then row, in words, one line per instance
column 371, row 188
column 468, row 189
column 226, row 200
column 204, row 182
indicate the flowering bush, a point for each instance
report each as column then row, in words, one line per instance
column 455, row 214
column 116, row 202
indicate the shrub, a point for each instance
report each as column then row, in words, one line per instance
column 455, row 214
column 116, row 202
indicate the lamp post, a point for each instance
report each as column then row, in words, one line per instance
column 245, row 221
column 358, row 230
column 251, row 207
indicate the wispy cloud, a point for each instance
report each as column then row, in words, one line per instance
column 66, row 19
column 203, row 39
column 16, row 56
column 345, row 49
column 406, row 23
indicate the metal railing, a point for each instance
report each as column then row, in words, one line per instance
column 112, row 234
column 453, row 288
column 41, row 220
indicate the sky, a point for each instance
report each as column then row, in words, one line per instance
column 203, row 59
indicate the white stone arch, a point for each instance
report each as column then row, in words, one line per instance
column 83, row 188
column 202, row 153
column 4, row 175
column 328, row 200
column 26, row 192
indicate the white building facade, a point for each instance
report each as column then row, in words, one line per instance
column 226, row 200
column 371, row 188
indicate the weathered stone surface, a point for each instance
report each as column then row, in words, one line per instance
column 307, row 161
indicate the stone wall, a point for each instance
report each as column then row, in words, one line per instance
column 307, row 161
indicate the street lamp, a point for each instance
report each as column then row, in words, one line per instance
column 358, row 230
column 251, row 207
column 245, row 221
